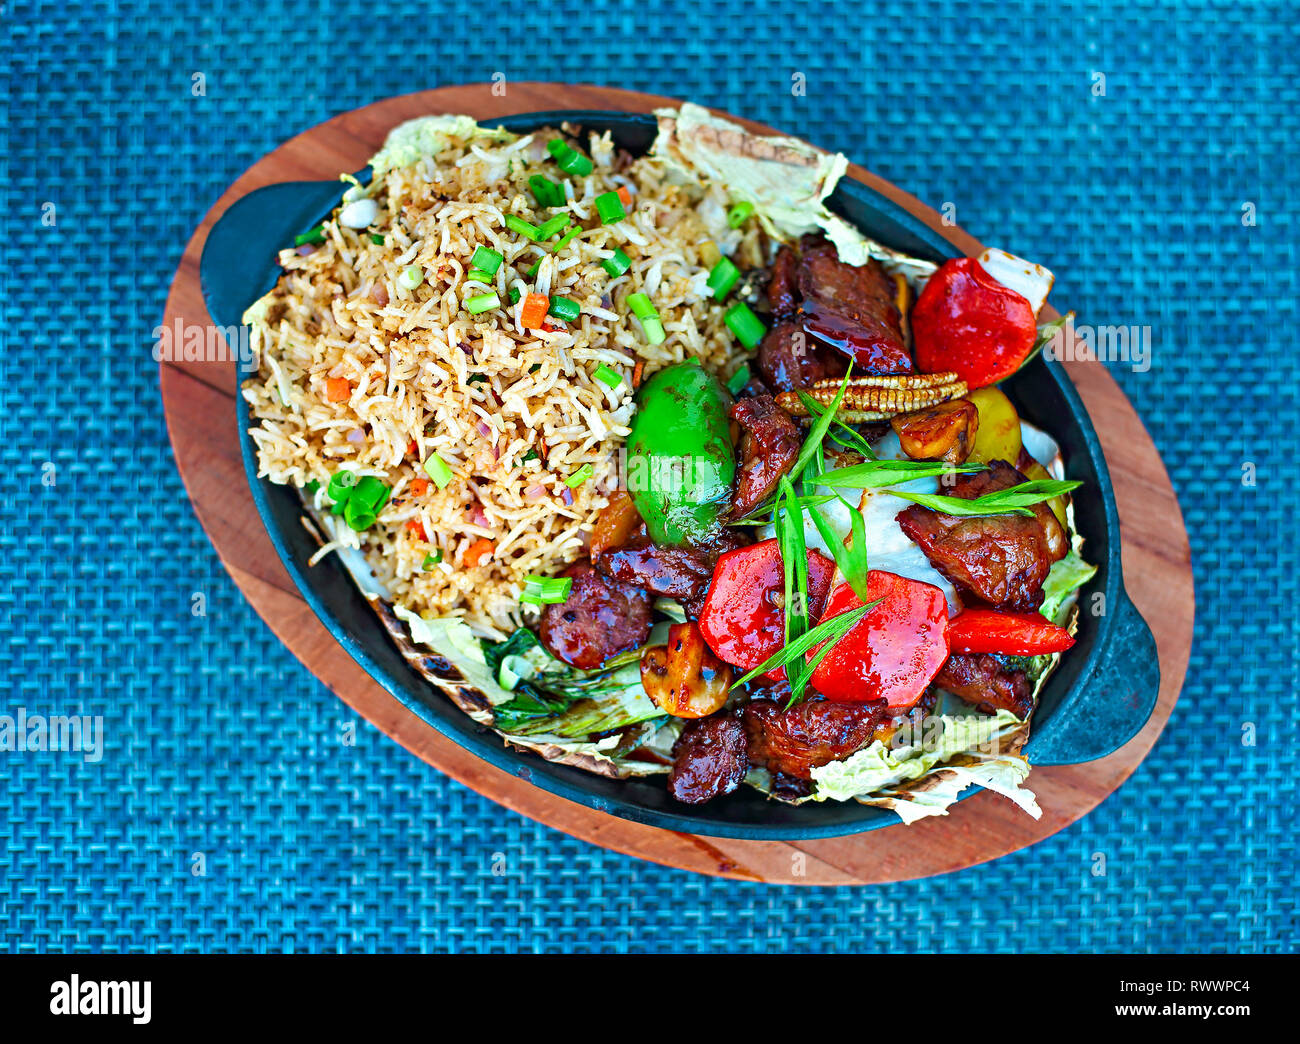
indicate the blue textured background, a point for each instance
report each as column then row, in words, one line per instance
column 220, row 743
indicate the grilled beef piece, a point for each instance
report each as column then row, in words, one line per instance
column 788, row 358
column 852, row 307
column 988, row 682
column 673, row 572
column 813, row 733
column 601, row 617
column 783, row 287
column 1001, row 560
column 768, row 449
column 708, row 759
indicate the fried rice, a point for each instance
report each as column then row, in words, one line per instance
column 516, row 414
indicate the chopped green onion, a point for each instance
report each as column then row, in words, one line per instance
column 530, row 455
column 341, row 485
column 312, row 235
column 478, row 275
column 543, row 590
column 411, row 277
column 566, row 239
column 724, row 276
column 579, row 477
column 513, row 294
column 432, row 559
column 616, row 265
column 653, row 330
column 525, row 228
column 553, row 226
column 747, row 327
column 739, row 379
column 610, row 208
column 570, row 160
column 565, row 308
column 358, row 516
column 482, row 303
column 488, row 260
column 376, row 238
column 475, row 378
column 370, row 492
column 546, row 192
column 739, row 214
column 532, row 272
column 312, row 486
column 436, row 468
column 642, row 307
column 608, row 377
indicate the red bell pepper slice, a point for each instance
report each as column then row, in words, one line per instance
column 743, row 618
column 1011, row 634
column 894, row 651
column 968, row 323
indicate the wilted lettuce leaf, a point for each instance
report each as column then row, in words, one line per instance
column 1065, row 576
column 923, row 777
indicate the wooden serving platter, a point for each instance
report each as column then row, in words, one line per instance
column 198, row 398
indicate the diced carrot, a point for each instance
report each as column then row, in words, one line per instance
column 412, row 448
column 636, row 374
column 419, row 487
column 337, row 389
column 533, row 314
column 625, row 196
column 479, row 550
column 417, row 527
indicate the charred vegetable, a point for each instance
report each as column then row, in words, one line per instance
column 944, row 432
column 684, row 678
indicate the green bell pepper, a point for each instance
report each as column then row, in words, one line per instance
column 681, row 463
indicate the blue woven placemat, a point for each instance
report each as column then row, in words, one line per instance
column 1121, row 144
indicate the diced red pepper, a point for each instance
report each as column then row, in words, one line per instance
column 743, row 618
column 417, row 527
column 1010, row 634
column 968, row 323
column 894, row 651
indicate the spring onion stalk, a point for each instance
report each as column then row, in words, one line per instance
column 566, row 239
column 546, row 192
column 565, row 308
column 478, row 275
column 739, row 379
column 642, row 307
column 410, row 277
column 570, row 160
column 432, row 559
column 607, row 376
column 546, row 590
column 747, row 327
column 312, row 235
column 616, row 265
column 513, row 294
column 341, row 485
column 580, row 476
column 553, row 226
column 724, row 276
column 436, row 468
column 486, row 260
column 739, row 214
column 525, row 228
column 653, row 330
column 482, row 303
column 610, row 208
